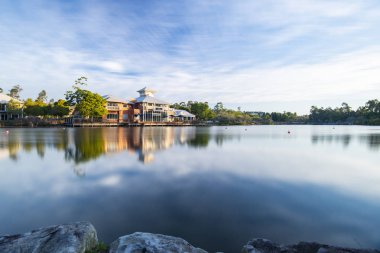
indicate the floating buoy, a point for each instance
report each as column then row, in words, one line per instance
column 7, row 132
column 288, row 131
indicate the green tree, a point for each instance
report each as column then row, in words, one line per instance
column 346, row 109
column 367, row 114
column 201, row 110
column 42, row 97
column 1, row 90
column 92, row 105
column 218, row 107
column 180, row 106
column 35, row 108
column 87, row 103
column 15, row 92
column 14, row 107
column 59, row 108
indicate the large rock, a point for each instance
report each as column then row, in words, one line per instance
column 266, row 246
column 70, row 238
column 152, row 243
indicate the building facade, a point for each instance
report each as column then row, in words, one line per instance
column 182, row 115
column 119, row 110
column 151, row 109
column 144, row 109
column 4, row 107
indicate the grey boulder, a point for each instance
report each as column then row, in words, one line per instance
column 266, row 246
column 152, row 243
column 69, row 238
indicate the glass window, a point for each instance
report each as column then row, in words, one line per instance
column 112, row 116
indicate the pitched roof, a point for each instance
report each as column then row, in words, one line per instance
column 5, row 98
column 149, row 99
column 183, row 113
column 111, row 98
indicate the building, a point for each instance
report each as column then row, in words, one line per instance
column 119, row 110
column 4, row 110
column 145, row 110
column 151, row 109
column 182, row 115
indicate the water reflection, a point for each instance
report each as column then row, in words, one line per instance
column 372, row 140
column 343, row 139
column 216, row 187
column 83, row 145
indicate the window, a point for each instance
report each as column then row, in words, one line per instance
column 3, row 107
column 112, row 116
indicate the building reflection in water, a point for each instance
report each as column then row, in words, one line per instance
column 85, row 144
column 81, row 145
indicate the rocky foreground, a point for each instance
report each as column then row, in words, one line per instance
column 81, row 237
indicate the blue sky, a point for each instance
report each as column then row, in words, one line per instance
column 270, row 55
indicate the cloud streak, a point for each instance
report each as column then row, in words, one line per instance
column 262, row 55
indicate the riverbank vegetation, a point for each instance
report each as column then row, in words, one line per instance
column 218, row 115
column 92, row 105
column 369, row 114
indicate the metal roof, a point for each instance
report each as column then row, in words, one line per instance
column 183, row 113
column 149, row 99
column 5, row 98
column 111, row 98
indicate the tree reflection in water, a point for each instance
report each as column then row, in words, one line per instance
column 371, row 140
column 82, row 145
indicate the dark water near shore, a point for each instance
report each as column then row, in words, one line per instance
column 214, row 187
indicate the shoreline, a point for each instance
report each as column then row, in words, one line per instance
column 81, row 237
column 45, row 124
column 174, row 125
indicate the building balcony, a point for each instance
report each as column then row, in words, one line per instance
column 113, row 108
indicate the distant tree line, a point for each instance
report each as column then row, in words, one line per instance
column 369, row 114
column 219, row 114
column 85, row 102
column 90, row 105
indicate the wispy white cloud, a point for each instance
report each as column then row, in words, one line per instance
column 248, row 52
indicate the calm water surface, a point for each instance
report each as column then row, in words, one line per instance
column 216, row 187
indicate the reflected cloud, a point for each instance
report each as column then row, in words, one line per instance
column 85, row 144
column 262, row 183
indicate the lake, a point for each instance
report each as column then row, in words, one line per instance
column 216, row 187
